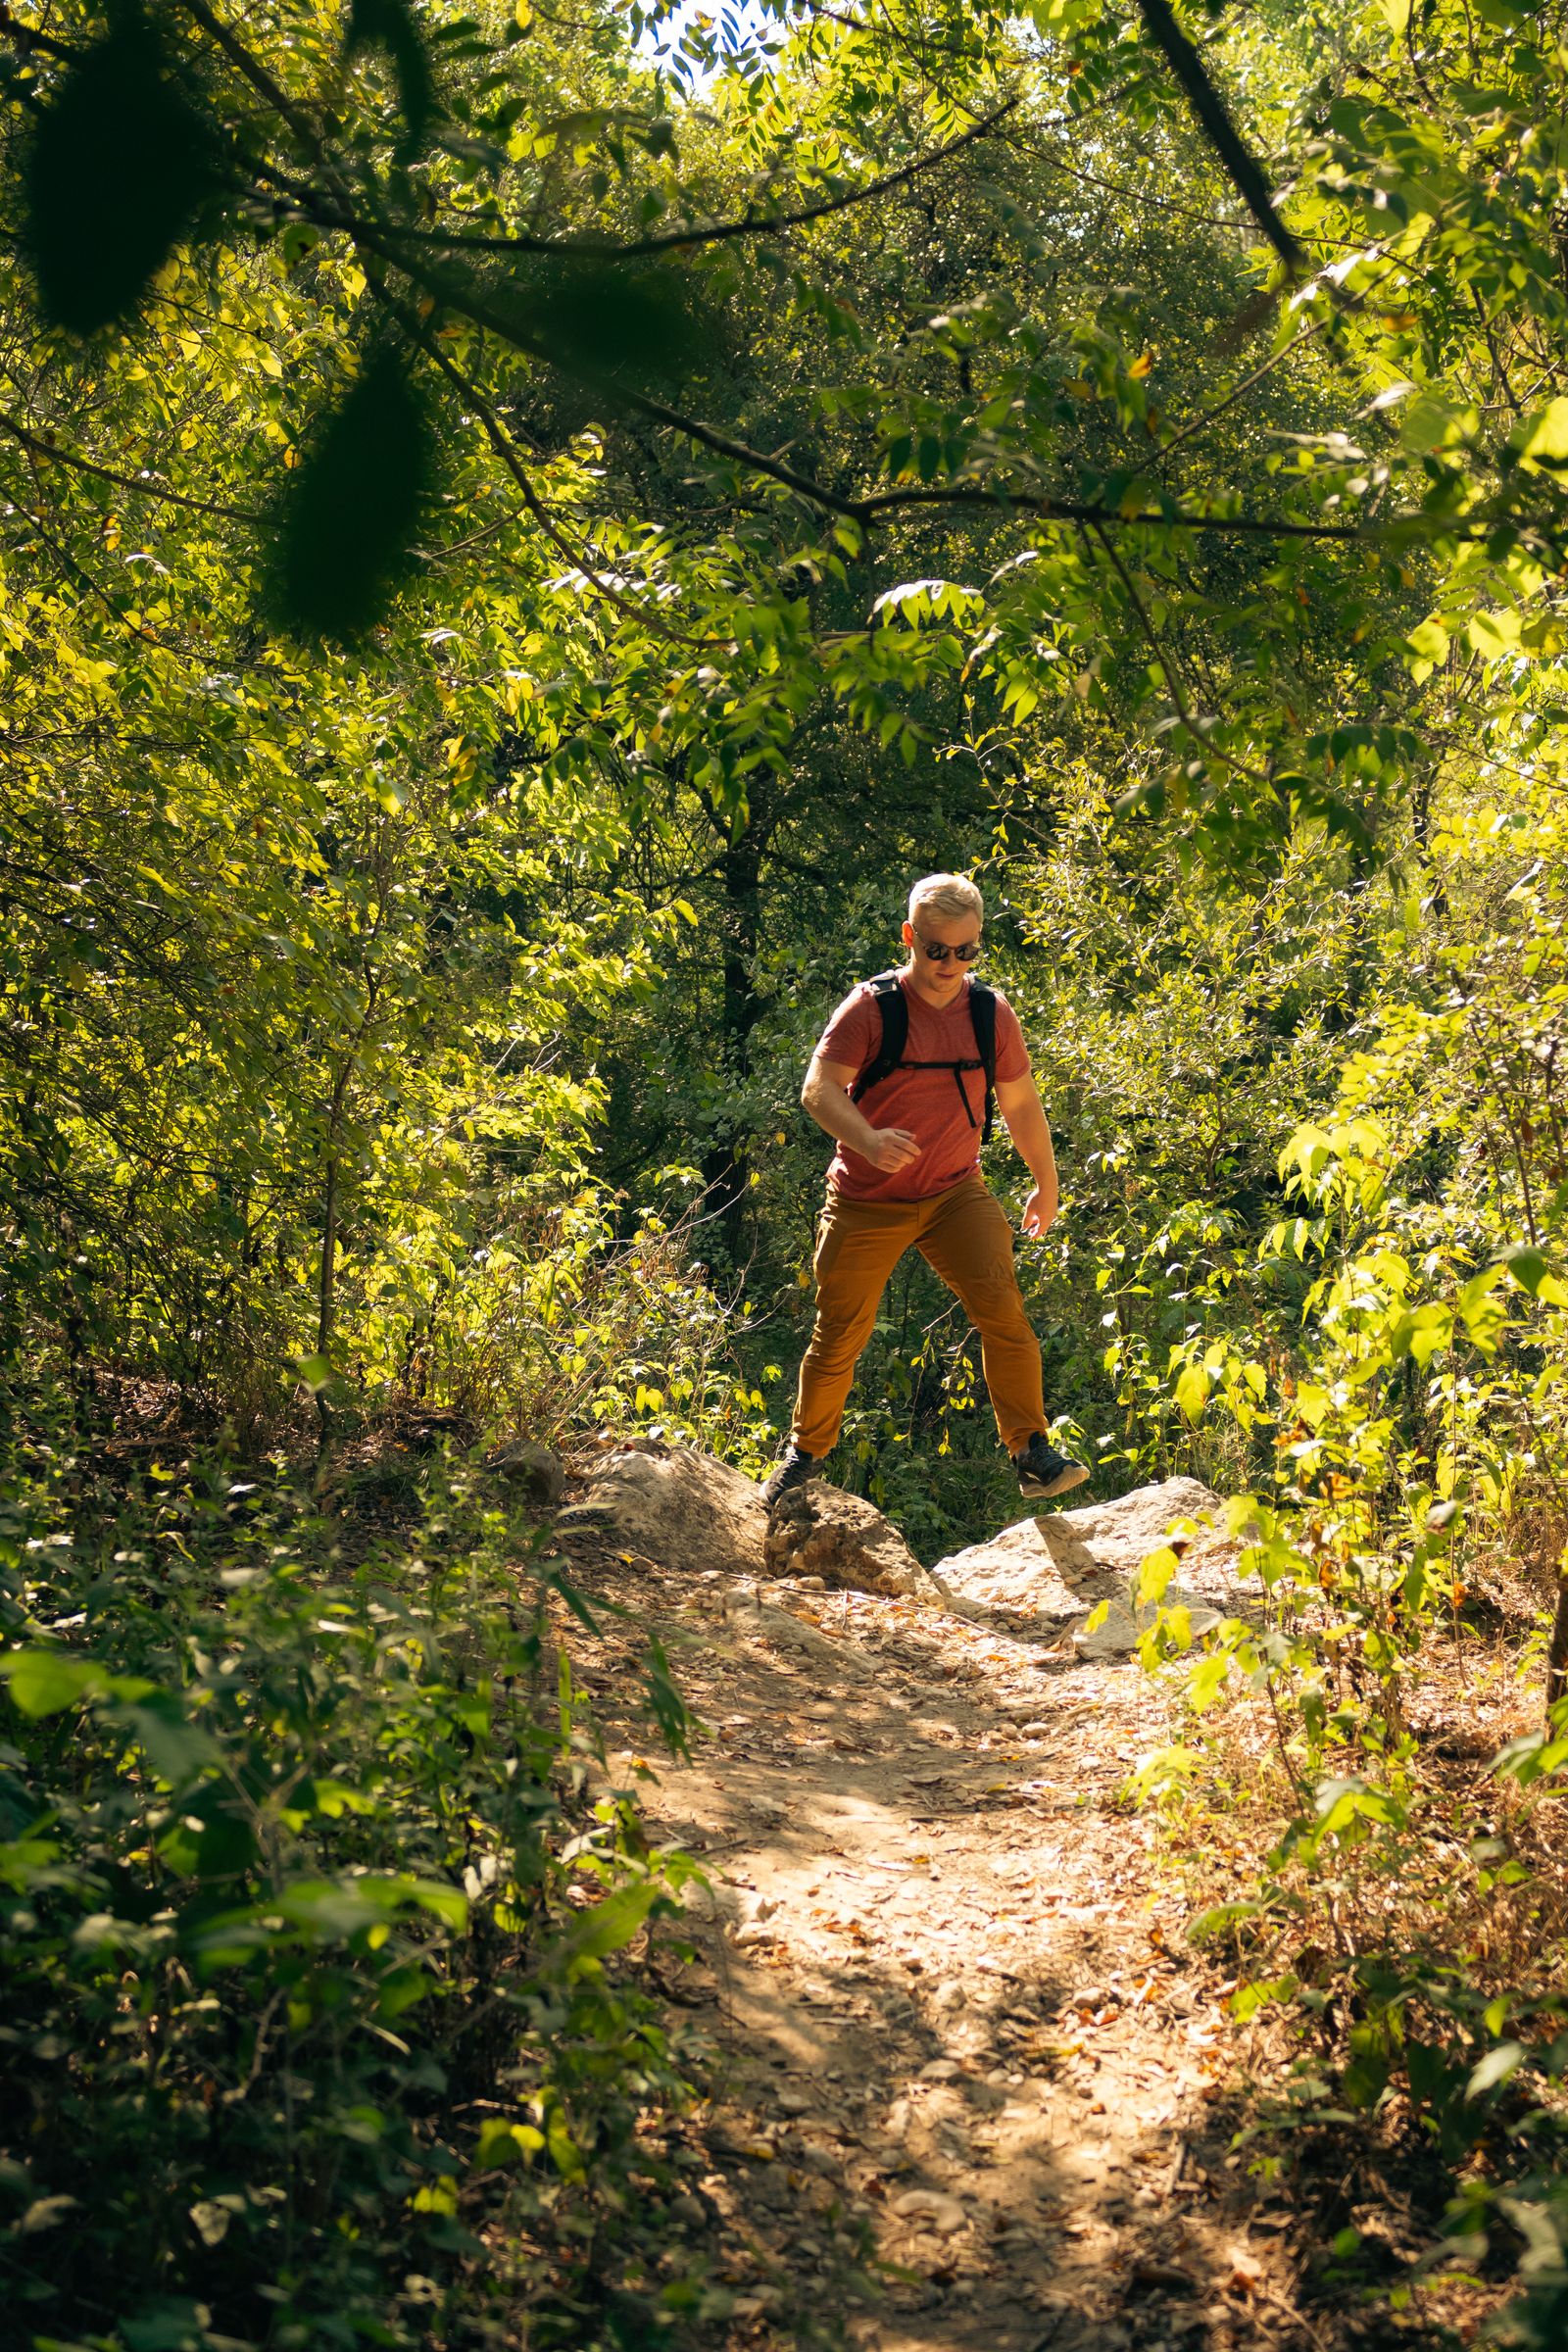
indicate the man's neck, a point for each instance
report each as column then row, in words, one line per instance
column 938, row 996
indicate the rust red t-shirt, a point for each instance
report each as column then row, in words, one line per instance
column 927, row 1103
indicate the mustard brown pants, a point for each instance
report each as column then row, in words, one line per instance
column 963, row 1236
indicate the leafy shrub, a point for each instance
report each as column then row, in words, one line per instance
column 560, row 1322
column 305, row 1913
column 1418, row 1430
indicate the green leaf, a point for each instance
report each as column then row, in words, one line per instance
column 116, row 170
column 174, row 1747
column 207, row 1842
column 1154, row 1577
column 1364, row 2079
column 1496, row 2067
column 503, row 2142
column 1529, row 1268
column 1192, row 1392
column 1542, row 439
column 1429, row 640
column 43, row 1682
column 443, row 1902
column 1218, row 1920
column 1495, row 633
column 403, row 1990
column 1483, row 1311
column 1531, row 1757
column 612, row 1924
column 565, row 2153
column 348, row 517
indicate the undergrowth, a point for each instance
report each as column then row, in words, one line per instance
column 309, row 1929
column 1400, row 1958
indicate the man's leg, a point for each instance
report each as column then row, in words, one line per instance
column 858, row 1245
column 967, row 1240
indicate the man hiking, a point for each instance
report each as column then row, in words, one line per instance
column 924, row 1048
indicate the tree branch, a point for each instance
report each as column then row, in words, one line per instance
column 31, row 36
column 501, row 443
column 1170, row 674
column 75, row 459
column 748, row 226
column 1242, row 167
column 1067, row 509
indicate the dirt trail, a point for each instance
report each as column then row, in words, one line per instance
column 965, row 2052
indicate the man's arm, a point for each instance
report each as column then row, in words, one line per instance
column 1018, row 1100
column 826, row 1095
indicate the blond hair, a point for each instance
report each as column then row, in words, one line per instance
column 949, row 896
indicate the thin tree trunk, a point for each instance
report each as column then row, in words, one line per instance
column 329, row 1281
column 726, row 1166
column 327, row 1288
column 1558, row 1654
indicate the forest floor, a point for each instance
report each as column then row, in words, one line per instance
column 974, row 2091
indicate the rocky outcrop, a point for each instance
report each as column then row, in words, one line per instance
column 535, row 1474
column 1122, row 1533
column 671, row 1504
column 1037, row 1570
column 1048, row 1575
column 816, row 1530
column 1042, row 1577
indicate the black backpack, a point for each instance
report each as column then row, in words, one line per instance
column 894, row 1007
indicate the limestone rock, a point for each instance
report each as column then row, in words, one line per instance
column 1038, row 1568
column 816, row 1529
column 746, row 1614
column 1053, row 1571
column 1122, row 1533
column 673, row 1505
column 1125, row 1626
column 533, row 1471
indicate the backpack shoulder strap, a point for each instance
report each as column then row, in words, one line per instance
column 895, row 1011
column 983, row 1013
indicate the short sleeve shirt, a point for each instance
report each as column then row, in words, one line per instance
column 942, row 1108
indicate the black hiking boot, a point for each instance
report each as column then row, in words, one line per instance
column 792, row 1469
column 1043, row 1471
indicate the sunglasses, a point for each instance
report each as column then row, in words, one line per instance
column 938, row 951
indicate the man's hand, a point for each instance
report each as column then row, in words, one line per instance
column 1039, row 1214
column 890, row 1149
column 1020, row 1105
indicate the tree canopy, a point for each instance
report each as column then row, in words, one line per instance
column 523, row 531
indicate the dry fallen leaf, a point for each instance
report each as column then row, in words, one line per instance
column 1246, row 2272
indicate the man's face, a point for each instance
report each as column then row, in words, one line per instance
column 940, row 977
